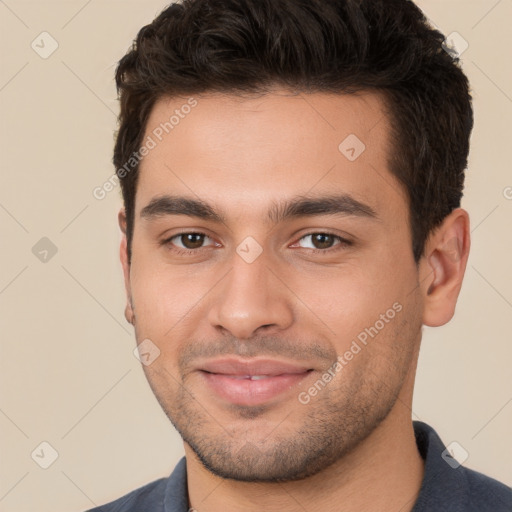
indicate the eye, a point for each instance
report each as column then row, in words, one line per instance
column 189, row 241
column 323, row 242
column 318, row 242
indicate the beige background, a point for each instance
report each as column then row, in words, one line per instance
column 68, row 375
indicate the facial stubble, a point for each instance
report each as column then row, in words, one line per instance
column 230, row 444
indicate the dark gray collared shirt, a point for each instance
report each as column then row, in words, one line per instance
column 446, row 487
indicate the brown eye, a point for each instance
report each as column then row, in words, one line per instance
column 320, row 240
column 192, row 240
column 323, row 242
column 187, row 241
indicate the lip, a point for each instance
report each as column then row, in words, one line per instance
column 252, row 382
column 242, row 367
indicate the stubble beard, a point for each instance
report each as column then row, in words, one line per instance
column 330, row 426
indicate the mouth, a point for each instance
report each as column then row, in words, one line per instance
column 252, row 382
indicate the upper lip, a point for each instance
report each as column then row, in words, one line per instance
column 253, row 366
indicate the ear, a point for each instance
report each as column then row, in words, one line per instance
column 442, row 268
column 123, row 254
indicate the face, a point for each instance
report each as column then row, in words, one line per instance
column 272, row 281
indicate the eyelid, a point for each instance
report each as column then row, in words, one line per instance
column 343, row 242
column 167, row 240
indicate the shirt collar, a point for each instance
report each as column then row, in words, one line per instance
column 176, row 491
column 444, row 485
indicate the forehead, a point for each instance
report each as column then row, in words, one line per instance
column 243, row 153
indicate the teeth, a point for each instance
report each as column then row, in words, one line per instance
column 250, row 377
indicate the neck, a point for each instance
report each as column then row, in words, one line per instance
column 384, row 472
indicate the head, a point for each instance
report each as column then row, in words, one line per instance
column 295, row 209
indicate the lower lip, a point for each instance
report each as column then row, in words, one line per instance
column 252, row 392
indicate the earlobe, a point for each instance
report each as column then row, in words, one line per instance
column 129, row 313
column 443, row 265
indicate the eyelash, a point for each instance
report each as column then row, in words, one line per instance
column 343, row 243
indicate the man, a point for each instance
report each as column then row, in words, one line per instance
column 292, row 174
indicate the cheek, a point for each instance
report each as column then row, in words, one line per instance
column 163, row 301
column 345, row 301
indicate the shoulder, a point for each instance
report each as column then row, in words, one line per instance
column 147, row 497
column 449, row 486
column 156, row 496
column 486, row 493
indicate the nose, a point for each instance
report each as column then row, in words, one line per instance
column 251, row 298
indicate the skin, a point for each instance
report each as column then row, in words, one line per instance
column 352, row 446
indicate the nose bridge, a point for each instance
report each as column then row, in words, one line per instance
column 249, row 297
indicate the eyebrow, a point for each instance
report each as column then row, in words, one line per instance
column 299, row 206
